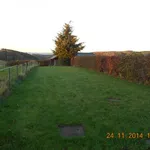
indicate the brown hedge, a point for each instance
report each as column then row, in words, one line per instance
column 84, row 61
column 132, row 66
column 17, row 62
column 44, row 62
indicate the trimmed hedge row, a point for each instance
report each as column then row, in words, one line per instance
column 63, row 62
column 17, row 62
column 44, row 62
column 132, row 66
column 85, row 61
column 59, row 62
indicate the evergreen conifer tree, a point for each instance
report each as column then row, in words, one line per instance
column 66, row 43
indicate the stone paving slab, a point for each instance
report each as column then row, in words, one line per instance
column 71, row 130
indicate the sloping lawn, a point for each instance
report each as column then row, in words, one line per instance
column 51, row 96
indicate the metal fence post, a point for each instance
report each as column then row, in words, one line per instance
column 9, row 78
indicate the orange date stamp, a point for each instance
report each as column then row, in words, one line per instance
column 131, row 135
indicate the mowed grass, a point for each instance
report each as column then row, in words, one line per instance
column 51, row 96
column 2, row 64
column 4, row 77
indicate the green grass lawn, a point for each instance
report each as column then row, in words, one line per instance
column 4, row 77
column 50, row 96
column 2, row 64
column 13, row 76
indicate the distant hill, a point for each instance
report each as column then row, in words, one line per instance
column 113, row 53
column 42, row 56
column 146, row 53
column 12, row 55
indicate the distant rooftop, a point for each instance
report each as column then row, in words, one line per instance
column 85, row 54
column 53, row 57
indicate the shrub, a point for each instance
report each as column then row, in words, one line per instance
column 17, row 62
column 44, row 62
column 85, row 61
column 133, row 66
column 63, row 62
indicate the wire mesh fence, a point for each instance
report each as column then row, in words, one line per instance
column 9, row 75
column 2, row 66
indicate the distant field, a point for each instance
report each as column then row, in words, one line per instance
column 50, row 96
column 11, row 55
column 2, row 64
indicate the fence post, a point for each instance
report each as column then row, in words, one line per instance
column 26, row 68
column 17, row 71
column 30, row 65
column 22, row 68
column 9, row 78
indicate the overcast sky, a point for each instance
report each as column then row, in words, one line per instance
column 104, row 25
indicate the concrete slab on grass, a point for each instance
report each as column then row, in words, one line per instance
column 71, row 130
column 113, row 99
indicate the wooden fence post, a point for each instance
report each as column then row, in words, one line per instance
column 17, row 71
column 29, row 66
column 22, row 68
column 9, row 78
column 26, row 68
